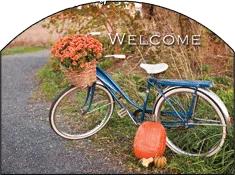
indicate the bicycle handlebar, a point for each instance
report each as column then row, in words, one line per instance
column 115, row 56
column 94, row 33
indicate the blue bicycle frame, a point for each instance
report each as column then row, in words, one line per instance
column 115, row 90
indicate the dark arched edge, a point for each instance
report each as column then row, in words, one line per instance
column 150, row 3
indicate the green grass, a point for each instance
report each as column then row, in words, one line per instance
column 52, row 82
column 116, row 138
column 22, row 49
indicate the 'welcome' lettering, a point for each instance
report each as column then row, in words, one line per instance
column 115, row 37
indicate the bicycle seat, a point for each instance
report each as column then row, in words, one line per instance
column 154, row 68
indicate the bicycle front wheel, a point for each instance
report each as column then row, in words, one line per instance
column 204, row 132
column 79, row 113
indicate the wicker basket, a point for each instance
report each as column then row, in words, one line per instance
column 84, row 78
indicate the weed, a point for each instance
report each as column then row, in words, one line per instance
column 106, row 63
column 205, row 68
column 52, row 82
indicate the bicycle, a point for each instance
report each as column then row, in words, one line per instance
column 188, row 110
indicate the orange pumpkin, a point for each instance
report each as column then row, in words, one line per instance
column 150, row 140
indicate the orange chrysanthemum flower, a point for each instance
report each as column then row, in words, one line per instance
column 68, row 50
column 74, row 63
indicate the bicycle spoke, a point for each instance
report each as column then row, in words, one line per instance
column 203, row 130
column 206, row 124
column 69, row 118
column 216, row 121
column 99, row 108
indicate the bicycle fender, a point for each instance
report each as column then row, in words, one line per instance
column 99, row 82
column 219, row 103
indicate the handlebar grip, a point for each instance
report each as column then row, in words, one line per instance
column 116, row 56
column 94, row 33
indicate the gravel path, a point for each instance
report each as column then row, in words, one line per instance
column 28, row 143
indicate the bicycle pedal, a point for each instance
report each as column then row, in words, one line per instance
column 122, row 112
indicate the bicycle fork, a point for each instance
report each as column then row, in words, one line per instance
column 90, row 94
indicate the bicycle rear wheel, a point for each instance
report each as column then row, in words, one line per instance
column 205, row 132
column 73, row 115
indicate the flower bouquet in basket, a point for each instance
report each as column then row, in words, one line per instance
column 77, row 55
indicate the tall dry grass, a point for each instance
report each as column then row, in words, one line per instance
column 35, row 36
column 185, row 61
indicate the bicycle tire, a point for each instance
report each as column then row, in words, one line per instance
column 176, row 137
column 67, row 119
